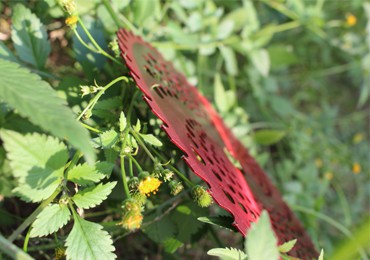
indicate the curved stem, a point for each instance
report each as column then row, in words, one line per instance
column 112, row 13
column 124, row 179
column 12, row 250
column 93, row 101
column 96, row 45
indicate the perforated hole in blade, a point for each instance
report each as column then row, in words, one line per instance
column 230, row 198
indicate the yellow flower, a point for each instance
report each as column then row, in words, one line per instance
column 318, row 163
column 71, row 21
column 356, row 168
column 149, row 185
column 328, row 175
column 351, row 20
column 132, row 220
column 358, row 138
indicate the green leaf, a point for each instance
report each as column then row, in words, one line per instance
column 107, row 139
column 287, row 246
column 261, row 60
column 220, row 221
column 227, row 253
column 224, row 99
column 29, row 37
column 268, row 137
column 151, row 139
column 84, row 174
column 6, row 54
column 261, row 241
column 50, row 220
column 321, row 256
column 87, row 240
column 230, row 60
column 36, row 100
column 93, row 196
column 37, row 162
column 159, row 230
column 122, row 122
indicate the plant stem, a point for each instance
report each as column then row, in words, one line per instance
column 12, row 250
column 93, row 101
column 142, row 144
column 112, row 13
column 96, row 45
column 34, row 214
column 124, row 179
column 132, row 159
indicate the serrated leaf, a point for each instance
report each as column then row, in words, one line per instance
column 84, row 174
column 268, row 137
column 122, row 122
column 37, row 161
column 50, row 220
column 220, row 221
column 6, row 54
column 159, row 230
column 107, row 139
column 87, row 240
column 105, row 168
column 227, row 253
column 151, row 139
column 137, row 127
column 29, row 37
column 42, row 106
column 287, row 246
column 261, row 241
column 93, row 196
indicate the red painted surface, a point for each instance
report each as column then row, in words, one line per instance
column 195, row 127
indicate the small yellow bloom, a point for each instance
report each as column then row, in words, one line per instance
column 71, row 21
column 149, row 185
column 351, row 20
column 132, row 220
column 358, row 138
column 318, row 163
column 356, row 168
column 328, row 175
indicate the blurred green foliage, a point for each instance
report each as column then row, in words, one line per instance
column 293, row 77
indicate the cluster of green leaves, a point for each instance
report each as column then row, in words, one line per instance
column 269, row 67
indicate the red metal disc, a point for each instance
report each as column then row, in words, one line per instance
column 195, row 127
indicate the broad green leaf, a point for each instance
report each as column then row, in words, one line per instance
column 36, row 100
column 6, row 54
column 239, row 17
column 268, row 136
column 171, row 245
column 230, row 60
column 161, row 230
column 220, row 221
column 50, row 220
column 87, row 240
column 93, row 196
column 37, row 162
column 84, row 174
column 29, row 37
column 105, row 168
column 143, row 11
column 287, row 246
column 261, row 60
column 122, row 122
column 261, row 241
column 151, row 139
column 227, row 253
column 225, row 29
column 107, row 139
